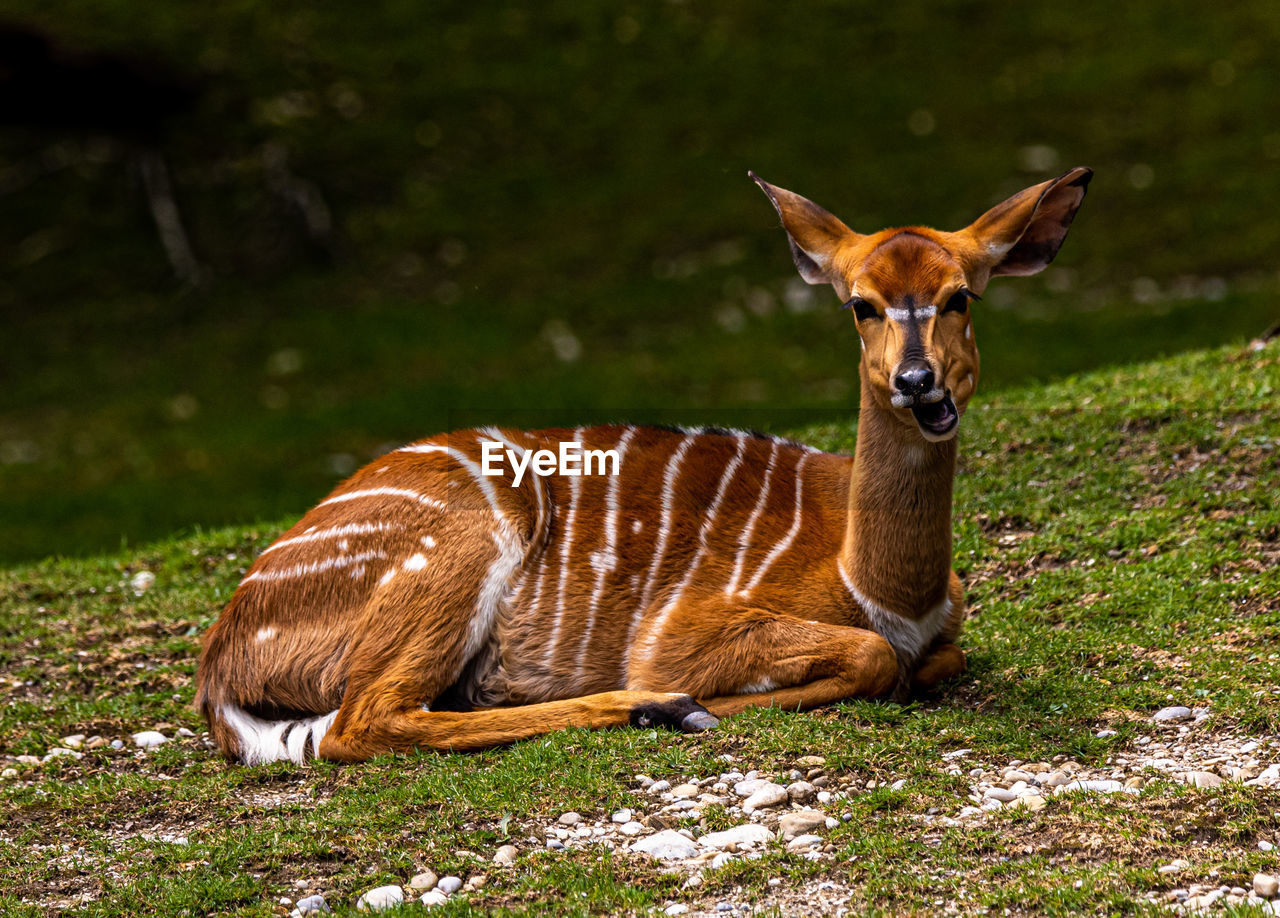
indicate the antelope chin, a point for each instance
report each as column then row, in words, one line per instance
column 937, row 420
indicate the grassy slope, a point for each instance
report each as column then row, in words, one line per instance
column 1119, row 536
column 503, row 169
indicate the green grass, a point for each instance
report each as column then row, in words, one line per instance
column 1118, row 535
column 505, row 173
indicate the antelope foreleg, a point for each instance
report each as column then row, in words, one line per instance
column 410, row 729
column 731, row 659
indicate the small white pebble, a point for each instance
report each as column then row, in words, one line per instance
column 142, row 581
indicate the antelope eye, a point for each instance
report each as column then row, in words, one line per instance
column 959, row 301
column 862, row 309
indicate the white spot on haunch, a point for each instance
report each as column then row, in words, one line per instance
column 267, row 633
column 387, row 577
column 343, row 545
column 415, row 563
column 357, row 573
column 428, row 542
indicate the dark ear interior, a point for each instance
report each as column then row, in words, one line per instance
column 813, row 233
column 1024, row 233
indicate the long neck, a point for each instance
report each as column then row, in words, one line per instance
column 897, row 543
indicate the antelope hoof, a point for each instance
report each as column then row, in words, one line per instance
column 680, row 713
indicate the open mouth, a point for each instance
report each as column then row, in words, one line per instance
column 937, row 419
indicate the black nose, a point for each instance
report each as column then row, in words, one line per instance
column 914, row 379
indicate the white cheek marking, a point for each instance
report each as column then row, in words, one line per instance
column 968, row 332
column 415, row 563
column 267, row 633
column 970, row 378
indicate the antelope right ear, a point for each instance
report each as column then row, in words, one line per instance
column 815, row 235
column 1021, row 235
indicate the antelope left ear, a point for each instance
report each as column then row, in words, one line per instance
column 1021, row 235
column 815, row 234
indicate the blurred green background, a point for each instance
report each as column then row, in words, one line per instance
column 546, row 207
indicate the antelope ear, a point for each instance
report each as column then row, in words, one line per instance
column 1021, row 235
column 815, row 235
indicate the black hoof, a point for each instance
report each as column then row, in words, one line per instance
column 682, row 713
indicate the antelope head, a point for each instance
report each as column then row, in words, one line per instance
column 909, row 290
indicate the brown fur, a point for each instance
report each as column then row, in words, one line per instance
column 592, row 601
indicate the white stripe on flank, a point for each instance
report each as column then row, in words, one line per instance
column 536, row 602
column 264, row 741
column 791, row 533
column 575, row 489
column 908, row 637
column 379, row 492
column 458, row 456
column 534, row 480
column 605, row 561
column 315, row 567
column 744, row 540
column 493, row 590
column 669, row 476
column 660, row 622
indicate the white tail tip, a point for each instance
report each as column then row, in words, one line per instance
column 263, row 741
